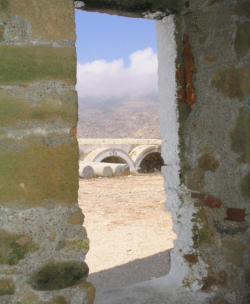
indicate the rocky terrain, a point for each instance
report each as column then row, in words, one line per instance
column 129, row 229
column 118, row 119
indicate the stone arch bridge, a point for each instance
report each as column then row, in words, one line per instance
column 141, row 155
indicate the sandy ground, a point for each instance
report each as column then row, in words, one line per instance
column 129, row 230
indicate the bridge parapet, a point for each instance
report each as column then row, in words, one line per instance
column 132, row 151
column 87, row 145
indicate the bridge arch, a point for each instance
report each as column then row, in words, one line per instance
column 146, row 158
column 106, row 154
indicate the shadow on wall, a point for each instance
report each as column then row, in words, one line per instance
column 139, row 270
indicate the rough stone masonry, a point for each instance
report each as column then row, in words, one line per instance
column 204, row 68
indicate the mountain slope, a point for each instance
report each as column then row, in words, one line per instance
column 118, row 120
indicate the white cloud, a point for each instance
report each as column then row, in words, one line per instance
column 104, row 80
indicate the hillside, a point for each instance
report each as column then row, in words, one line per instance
column 118, row 120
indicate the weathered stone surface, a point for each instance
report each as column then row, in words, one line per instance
column 245, row 186
column 29, row 296
column 191, row 258
column 23, row 64
column 76, row 218
column 236, row 214
column 16, row 111
column 201, row 231
column 242, row 9
column 3, row 4
column 232, row 82
column 234, row 250
column 39, row 174
column 240, row 135
column 75, row 245
column 58, row 17
column 1, row 33
column 59, row 275
column 136, row 8
column 15, row 247
column 242, row 40
column 7, row 287
column 90, row 290
column 247, row 276
column 56, row 300
column 194, row 179
column 212, row 202
column 208, row 162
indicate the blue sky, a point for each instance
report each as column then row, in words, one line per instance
column 116, row 57
column 109, row 37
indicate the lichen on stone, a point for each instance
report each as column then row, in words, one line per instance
column 232, row 82
column 245, row 186
column 208, row 162
column 200, row 230
column 15, row 247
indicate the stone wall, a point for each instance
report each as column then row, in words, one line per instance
column 42, row 242
column 213, row 74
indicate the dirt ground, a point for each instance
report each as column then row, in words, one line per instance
column 126, row 223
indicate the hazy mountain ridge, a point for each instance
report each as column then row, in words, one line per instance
column 116, row 119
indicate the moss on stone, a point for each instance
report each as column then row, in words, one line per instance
column 14, row 111
column 3, row 4
column 232, row 82
column 38, row 172
column 240, row 136
column 245, row 186
column 77, row 245
column 59, row 275
column 194, row 179
column 242, row 40
column 201, row 231
column 22, row 64
column 14, row 247
column 76, row 218
column 7, row 287
column 208, row 162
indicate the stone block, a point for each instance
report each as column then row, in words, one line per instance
column 38, row 171
column 24, row 64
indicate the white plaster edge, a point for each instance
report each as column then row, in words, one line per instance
column 169, row 124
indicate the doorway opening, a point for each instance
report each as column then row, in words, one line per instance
column 129, row 229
